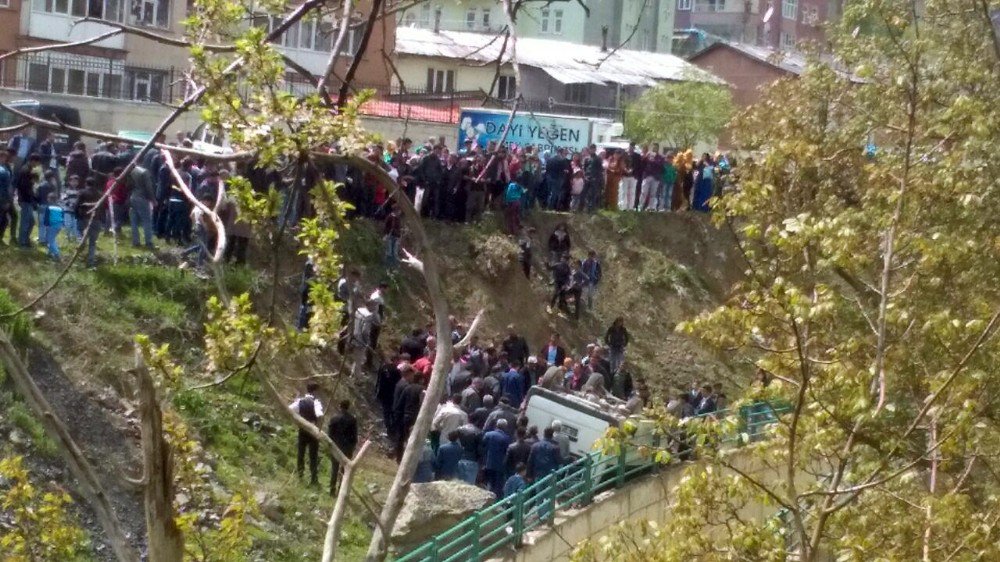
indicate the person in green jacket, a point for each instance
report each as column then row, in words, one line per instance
column 669, row 179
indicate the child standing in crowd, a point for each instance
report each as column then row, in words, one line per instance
column 52, row 220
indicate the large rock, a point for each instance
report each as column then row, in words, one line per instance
column 434, row 507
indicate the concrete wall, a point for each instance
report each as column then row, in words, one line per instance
column 647, row 498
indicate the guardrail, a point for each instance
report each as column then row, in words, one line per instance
column 502, row 524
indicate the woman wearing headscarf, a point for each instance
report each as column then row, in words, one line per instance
column 705, row 185
column 615, row 170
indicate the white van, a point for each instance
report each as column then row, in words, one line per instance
column 204, row 139
column 583, row 421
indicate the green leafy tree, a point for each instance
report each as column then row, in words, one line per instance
column 871, row 299
column 37, row 526
column 681, row 114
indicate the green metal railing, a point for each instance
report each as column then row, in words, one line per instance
column 502, row 524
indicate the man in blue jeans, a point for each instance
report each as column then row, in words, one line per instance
column 141, row 197
column 24, row 184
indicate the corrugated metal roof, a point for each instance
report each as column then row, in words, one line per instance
column 581, row 63
column 572, row 76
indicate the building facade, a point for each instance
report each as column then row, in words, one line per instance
column 780, row 24
column 642, row 25
column 134, row 69
column 558, row 76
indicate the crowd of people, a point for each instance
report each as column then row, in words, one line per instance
column 43, row 195
column 459, row 186
column 480, row 433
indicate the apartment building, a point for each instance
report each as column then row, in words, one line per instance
column 133, row 68
column 641, row 25
column 779, row 24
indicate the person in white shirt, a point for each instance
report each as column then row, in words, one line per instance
column 562, row 439
column 376, row 304
column 449, row 416
column 311, row 409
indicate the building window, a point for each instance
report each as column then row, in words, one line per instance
column 789, row 9
column 111, row 10
column 470, row 19
column 506, row 87
column 810, row 15
column 710, row 5
column 312, row 35
column 440, row 81
column 683, row 5
column 144, row 85
column 486, row 18
column 787, row 40
column 557, row 16
column 545, row 20
column 425, row 15
column 74, row 74
column 578, row 93
column 151, row 12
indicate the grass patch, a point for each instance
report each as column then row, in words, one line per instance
column 21, row 418
column 19, row 327
column 660, row 272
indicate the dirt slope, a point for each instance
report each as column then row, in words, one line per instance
column 659, row 269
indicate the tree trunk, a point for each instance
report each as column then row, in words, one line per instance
column 89, row 485
column 166, row 541
column 333, row 527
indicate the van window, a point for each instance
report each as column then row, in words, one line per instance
column 8, row 119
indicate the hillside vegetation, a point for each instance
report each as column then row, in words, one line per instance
column 658, row 270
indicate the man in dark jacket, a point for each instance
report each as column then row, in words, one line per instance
column 412, row 346
column 617, row 338
column 493, row 451
column 398, row 402
column 343, row 431
column 515, row 346
column 544, row 457
column 430, row 172
column 413, row 395
column 504, row 411
column 311, row 409
column 593, row 173
column 556, row 169
column 27, row 199
column 518, row 451
column 561, row 274
column 78, row 163
column 142, row 196
column 448, row 456
column 385, row 385
column 103, row 162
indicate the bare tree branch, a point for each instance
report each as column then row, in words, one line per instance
column 324, row 80
column 359, row 54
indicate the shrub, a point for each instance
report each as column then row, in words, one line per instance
column 495, row 254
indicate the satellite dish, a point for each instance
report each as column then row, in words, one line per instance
column 768, row 14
